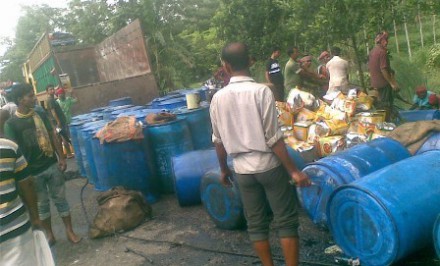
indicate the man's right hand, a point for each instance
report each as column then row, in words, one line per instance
column 300, row 179
column 226, row 177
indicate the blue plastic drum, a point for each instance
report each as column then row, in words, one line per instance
column 128, row 165
column 188, row 170
column 199, row 123
column 436, row 233
column 121, row 101
column 343, row 168
column 223, row 204
column 172, row 104
column 74, row 128
column 85, row 135
column 419, row 115
column 432, row 143
column 168, row 140
column 389, row 213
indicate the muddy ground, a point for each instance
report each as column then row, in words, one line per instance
column 180, row 236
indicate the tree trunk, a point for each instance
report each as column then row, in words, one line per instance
column 407, row 38
column 433, row 28
column 395, row 30
column 420, row 26
column 367, row 45
column 358, row 61
column 395, row 36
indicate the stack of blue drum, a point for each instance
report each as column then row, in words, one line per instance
column 144, row 165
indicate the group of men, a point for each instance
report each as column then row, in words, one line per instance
column 331, row 75
column 32, row 160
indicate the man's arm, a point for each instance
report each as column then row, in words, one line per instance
column 56, row 143
column 274, row 140
column 267, row 77
column 222, row 156
column 300, row 179
column 390, row 78
column 27, row 193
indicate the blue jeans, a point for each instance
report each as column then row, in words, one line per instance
column 51, row 183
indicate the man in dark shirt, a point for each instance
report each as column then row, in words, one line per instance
column 274, row 75
column 381, row 75
column 58, row 118
column 33, row 133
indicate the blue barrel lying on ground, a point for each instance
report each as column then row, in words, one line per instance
column 436, row 233
column 390, row 213
column 344, row 167
column 199, row 124
column 419, row 115
column 120, row 101
column 168, row 140
column 223, row 204
column 188, row 170
column 85, row 135
column 432, row 143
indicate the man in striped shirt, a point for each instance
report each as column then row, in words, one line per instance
column 16, row 218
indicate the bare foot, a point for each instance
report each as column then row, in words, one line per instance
column 73, row 237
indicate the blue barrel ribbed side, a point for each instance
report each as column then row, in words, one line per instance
column 73, row 128
column 389, row 213
column 344, row 167
column 127, row 165
column 168, row 140
column 85, row 136
column 199, row 124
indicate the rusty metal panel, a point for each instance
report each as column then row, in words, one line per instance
column 79, row 63
column 40, row 52
column 123, row 54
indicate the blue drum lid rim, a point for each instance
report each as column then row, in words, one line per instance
column 366, row 205
column 211, row 209
column 316, row 191
column 179, row 119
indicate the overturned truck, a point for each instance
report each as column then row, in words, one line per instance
column 117, row 67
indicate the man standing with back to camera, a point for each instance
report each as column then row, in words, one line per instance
column 245, row 126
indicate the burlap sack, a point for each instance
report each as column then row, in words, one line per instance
column 122, row 129
column 119, row 210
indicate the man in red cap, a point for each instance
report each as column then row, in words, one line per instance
column 323, row 58
column 381, row 75
column 421, row 99
column 434, row 100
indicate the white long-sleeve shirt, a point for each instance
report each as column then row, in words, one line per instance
column 244, row 119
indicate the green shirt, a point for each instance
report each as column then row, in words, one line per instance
column 66, row 106
column 291, row 75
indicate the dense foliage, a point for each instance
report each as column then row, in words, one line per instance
column 184, row 37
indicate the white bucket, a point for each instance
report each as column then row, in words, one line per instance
column 192, row 100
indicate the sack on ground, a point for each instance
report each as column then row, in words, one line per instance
column 119, row 210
